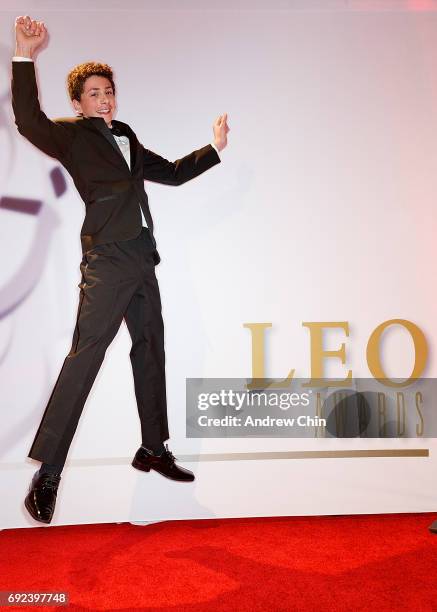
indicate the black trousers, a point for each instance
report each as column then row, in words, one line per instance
column 118, row 281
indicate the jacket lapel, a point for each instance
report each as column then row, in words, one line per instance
column 99, row 124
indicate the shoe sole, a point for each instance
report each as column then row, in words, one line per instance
column 142, row 468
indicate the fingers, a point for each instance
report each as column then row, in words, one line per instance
column 221, row 128
column 224, row 122
column 221, row 120
column 31, row 27
column 20, row 22
column 39, row 28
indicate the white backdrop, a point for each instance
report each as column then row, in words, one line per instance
column 321, row 210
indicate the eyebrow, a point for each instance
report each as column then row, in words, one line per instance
column 97, row 88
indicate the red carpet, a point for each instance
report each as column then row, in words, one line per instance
column 381, row 563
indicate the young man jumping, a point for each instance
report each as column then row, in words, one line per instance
column 108, row 166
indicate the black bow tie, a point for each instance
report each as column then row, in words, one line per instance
column 116, row 131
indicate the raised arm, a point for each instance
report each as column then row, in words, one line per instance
column 52, row 137
column 160, row 170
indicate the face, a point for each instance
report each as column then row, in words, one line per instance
column 97, row 99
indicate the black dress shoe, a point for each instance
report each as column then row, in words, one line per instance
column 41, row 499
column 164, row 464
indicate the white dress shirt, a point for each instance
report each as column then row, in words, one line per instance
column 124, row 146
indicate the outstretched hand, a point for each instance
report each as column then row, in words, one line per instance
column 29, row 35
column 221, row 128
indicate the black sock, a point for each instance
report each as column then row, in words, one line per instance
column 48, row 468
column 154, row 449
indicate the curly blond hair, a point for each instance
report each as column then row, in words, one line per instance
column 77, row 77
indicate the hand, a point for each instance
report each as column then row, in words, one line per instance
column 221, row 128
column 29, row 35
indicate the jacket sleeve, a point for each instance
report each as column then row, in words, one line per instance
column 160, row 170
column 52, row 137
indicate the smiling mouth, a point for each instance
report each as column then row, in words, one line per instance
column 104, row 111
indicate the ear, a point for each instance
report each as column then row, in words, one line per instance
column 77, row 107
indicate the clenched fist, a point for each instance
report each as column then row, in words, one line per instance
column 29, row 35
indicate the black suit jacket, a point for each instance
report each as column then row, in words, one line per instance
column 87, row 149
